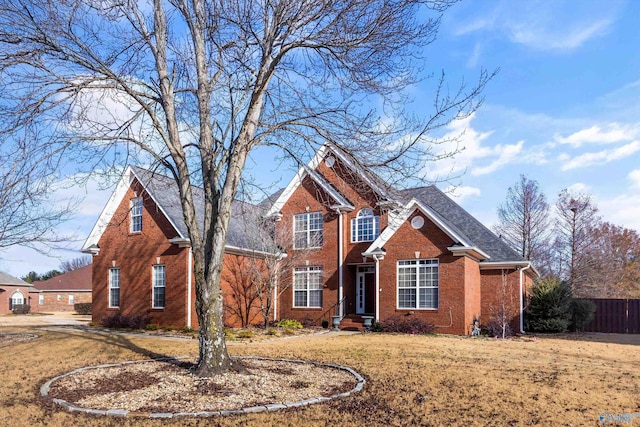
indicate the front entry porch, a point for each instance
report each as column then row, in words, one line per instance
column 365, row 295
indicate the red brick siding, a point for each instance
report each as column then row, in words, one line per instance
column 59, row 301
column 431, row 242
column 310, row 198
column 135, row 254
column 7, row 291
column 491, row 283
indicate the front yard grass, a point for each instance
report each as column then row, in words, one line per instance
column 411, row 380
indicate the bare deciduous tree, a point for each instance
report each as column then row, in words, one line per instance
column 196, row 86
column 576, row 217
column 524, row 219
column 28, row 215
column 74, row 264
column 613, row 263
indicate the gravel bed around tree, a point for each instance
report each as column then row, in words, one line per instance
column 170, row 387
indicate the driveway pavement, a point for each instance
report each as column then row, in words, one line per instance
column 39, row 319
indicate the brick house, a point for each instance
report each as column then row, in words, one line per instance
column 368, row 249
column 14, row 291
column 61, row 292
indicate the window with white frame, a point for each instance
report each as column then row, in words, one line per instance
column 307, row 230
column 159, row 285
column 17, row 298
column 71, row 299
column 114, row 287
column 365, row 227
column 418, row 284
column 136, row 214
column 307, row 287
column 41, row 299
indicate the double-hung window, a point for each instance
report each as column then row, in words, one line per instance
column 418, row 284
column 307, row 230
column 159, row 285
column 307, row 287
column 136, row 215
column 365, row 227
column 114, row 287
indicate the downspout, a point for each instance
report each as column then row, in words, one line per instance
column 522, row 297
column 275, row 291
column 189, row 278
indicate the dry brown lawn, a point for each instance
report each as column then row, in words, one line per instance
column 411, row 380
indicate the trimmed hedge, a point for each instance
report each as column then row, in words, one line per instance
column 407, row 325
column 21, row 309
column 82, row 307
column 118, row 321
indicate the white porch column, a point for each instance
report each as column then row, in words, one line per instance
column 189, row 279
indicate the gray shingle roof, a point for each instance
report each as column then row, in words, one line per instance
column 464, row 223
column 7, row 279
column 164, row 190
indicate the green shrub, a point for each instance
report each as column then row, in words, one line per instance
column 271, row 331
column 186, row 330
column 549, row 308
column 245, row 334
column 288, row 324
column 152, row 327
column 118, row 321
column 405, row 325
column 82, row 307
column 21, row 309
column 582, row 312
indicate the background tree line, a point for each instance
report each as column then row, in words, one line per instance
column 570, row 242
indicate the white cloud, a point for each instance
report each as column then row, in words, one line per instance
column 461, row 192
column 613, row 133
column 579, row 188
column 506, row 154
column 543, row 36
column 601, row 157
column 634, row 176
column 473, row 148
column 622, row 210
column 546, row 26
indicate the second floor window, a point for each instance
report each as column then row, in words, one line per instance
column 136, row 215
column 307, row 230
column 365, row 227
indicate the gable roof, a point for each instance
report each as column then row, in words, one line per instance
column 469, row 235
column 9, row 280
column 75, row 280
column 164, row 192
column 476, row 234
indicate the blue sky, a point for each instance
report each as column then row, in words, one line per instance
column 564, row 110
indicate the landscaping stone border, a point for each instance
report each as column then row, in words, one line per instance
column 70, row 407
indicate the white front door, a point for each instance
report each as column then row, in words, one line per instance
column 361, row 288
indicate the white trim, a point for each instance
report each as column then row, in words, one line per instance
column 418, row 287
column 308, row 230
column 471, row 251
column 307, row 271
column 189, row 279
column 112, row 205
column 109, row 288
column 155, row 286
column 108, row 211
column 341, row 217
column 395, row 222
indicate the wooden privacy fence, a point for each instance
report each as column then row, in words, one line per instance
column 618, row 316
